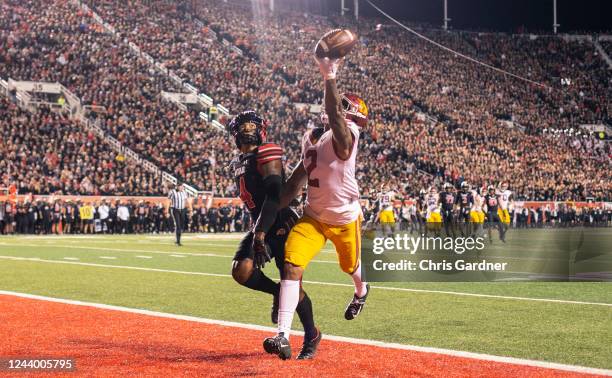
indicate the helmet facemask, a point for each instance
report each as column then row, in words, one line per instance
column 353, row 108
column 248, row 128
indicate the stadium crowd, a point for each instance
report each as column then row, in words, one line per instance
column 43, row 41
column 45, row 153
column 437, row 118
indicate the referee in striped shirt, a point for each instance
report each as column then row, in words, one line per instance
column 178, row 203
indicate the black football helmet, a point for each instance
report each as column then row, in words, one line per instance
column 242, row 136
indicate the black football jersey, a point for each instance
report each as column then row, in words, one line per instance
column 465, row 200
column 248, row 175
column 447, row 200
column 491, row 201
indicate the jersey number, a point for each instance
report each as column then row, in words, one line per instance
column 312, row 155
column 245, row 195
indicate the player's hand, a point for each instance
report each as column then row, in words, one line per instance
column 328, row 67
column 261, row 250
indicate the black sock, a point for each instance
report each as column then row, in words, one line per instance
column 260, row 282
column 304, row 311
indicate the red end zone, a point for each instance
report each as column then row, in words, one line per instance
column 112, row 342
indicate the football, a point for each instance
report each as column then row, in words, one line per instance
column 336, row 44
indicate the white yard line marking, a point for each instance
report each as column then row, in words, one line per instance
column 68, row 258
column 375, row 343
column 108, row 257
column 458, row 293
column 178, row 255
column 143, row 257
column 144, row 251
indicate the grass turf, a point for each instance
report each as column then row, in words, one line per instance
column 558, row 332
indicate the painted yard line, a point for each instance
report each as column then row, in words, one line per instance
column 143, row 251
column 325, row 250
column 108, row 257
column 204, row 243
column 70, row 258
column 143, row 257
column 177, row 255
column 375, row 343
column 458, row 293
column 55, row 237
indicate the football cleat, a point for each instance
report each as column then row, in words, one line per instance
column 278, row 345
column 274, row 313
column 356, row 305
column 309, row 348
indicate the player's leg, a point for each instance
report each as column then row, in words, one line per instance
column 504, row 224
column 506, row 220
column 490, row 223
column 387, row 220
column 446, row 221
column 500, row 216
column 474, row 221
column 347, row 240
column 312, row 335
column 305, row 240
column 244, row 272
column 436, row 221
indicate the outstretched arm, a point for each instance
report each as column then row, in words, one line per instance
column 294, row 184
column 343, row 138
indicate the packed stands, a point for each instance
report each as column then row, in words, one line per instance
column 46, row 153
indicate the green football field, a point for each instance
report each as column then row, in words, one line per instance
column 569, row 323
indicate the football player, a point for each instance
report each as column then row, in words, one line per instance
column 259, row 174
column 332, row 210
column 465, row 201
column 447, row 204
column 504, row 197
column 433, row 217
column 492, row 205
column 386, row 214
column 477, row 216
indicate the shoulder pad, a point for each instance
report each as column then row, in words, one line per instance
column 268, row 152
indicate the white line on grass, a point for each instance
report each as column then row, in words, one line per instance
column 144, row 250
column 177, row 255
column 547, row 300
column 69, row 258
column 143, row 257
column 108, row 257
column 375, row 343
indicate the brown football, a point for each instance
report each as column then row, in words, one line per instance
column 336, row 44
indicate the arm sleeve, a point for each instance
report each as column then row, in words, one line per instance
column 269, row 209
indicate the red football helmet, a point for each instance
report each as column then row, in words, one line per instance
column 354, row 108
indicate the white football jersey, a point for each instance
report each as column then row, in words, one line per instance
column 333, row 193
column 478, row 201
column 504, row 198
column 386, row 200
column 431, row 201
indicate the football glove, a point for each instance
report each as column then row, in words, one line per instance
column 261, row 253
column 328, row 67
